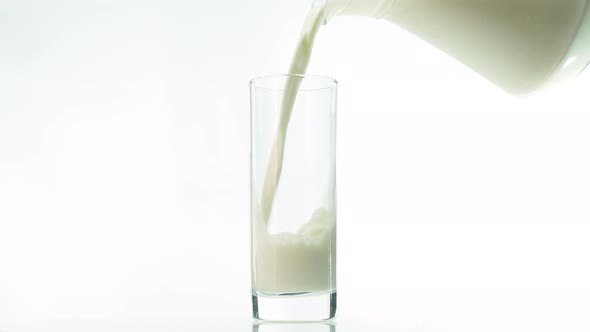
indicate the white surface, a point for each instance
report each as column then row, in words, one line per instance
column 124, row 174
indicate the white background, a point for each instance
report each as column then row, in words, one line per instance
column 124, row 144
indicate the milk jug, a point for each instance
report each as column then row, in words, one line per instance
column 519, row 45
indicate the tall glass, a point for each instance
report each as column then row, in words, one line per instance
column 293, row 197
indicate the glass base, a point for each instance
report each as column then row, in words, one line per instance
column 294, row 307
column 264, row 326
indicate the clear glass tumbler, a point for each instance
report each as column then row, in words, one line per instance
column 293, row 197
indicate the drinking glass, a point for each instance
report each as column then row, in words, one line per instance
column 293, row 197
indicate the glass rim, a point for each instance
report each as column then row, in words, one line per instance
column 327, row 82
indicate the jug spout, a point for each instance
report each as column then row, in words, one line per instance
column 368, row 8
